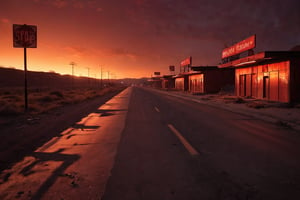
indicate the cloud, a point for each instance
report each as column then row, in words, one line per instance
column 99, row 9
column 276, row 23
column 5, row 21
column 120, row 52
column 76, row 51
column 54, row 3
column 82, row 52
column 5, row 26
column 77, row 4
column 59, row 3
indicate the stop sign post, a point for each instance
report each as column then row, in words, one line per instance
column 25, row 36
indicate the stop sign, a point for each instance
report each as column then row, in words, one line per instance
column 24, row 36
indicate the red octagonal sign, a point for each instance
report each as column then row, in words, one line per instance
column 24, row 36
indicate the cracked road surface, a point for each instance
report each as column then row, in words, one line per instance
column 144, row 145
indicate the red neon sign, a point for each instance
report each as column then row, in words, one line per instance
column 187, row 61
column 239, row 47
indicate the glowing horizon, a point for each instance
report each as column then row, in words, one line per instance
column 137, row 38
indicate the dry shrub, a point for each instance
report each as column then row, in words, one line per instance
column 35, row 108
column 229, row 98
column 240, row 100
column 72, row 97
column 57, row 94
column 283, row 124
column 12, row 91
column 77, row 98
column 285, row 105
column 46, row 99
column 205, row 98
column 256, row 105
column 89, row 94
column 7, row 92
column 12, row 98
column 42, row 108
column 9, row 108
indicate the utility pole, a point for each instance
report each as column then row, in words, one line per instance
column 88, row 76
column 113, row 77
column 95, row 81
column 25, row 80
column 101, row 83
column 108, row 77
column 72, row 64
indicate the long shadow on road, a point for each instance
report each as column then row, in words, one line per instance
column 67, row 160
column 22, row 140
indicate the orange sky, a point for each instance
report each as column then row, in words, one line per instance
column 135, row 38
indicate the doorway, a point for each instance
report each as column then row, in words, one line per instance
column 266, row 86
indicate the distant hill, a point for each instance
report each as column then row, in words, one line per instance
column 295, row 48
column 15, row 78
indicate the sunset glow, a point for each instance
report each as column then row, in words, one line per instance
column 135, row 38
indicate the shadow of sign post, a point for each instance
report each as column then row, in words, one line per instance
column 67, row 159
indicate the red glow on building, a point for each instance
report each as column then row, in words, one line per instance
column 273, row 76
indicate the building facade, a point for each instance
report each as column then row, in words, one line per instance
column 210, row 79
column 272, row 76
column 181, row 82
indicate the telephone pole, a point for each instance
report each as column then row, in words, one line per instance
column 72, row 64
column 101, row 82
column 88, row 76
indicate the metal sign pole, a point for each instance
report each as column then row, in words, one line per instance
column 25, row 36
column 25, row 80
column 101, row 83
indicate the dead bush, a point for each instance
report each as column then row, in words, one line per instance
column 7, row 109
column 46, row 99
column 283, row 124
column 12, row 98
column 239, row 100
column 57, row 94
column 256, row 105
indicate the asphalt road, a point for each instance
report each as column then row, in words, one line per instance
column 145, row 145
column 228, row 155
column 74, row 164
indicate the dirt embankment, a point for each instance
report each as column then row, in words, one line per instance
column 22, row 134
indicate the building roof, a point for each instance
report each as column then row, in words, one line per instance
column 203, row 68
column 261, row 57
column 167, row 76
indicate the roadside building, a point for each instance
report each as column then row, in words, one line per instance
column 155, row 82
column 168, row 82
column 182, row 82
column 209, row 79
column 269, row 75
column 182, row 79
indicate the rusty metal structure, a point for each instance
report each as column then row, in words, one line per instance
column 270, row 75
column 168, row 82
column 181, row 82
column 204, row 79
column 209, row 79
